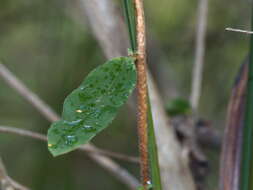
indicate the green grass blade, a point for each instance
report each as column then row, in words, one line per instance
column 152, row 151
column 131, row 23
column 246, row 182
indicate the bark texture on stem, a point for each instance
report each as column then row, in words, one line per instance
column 175, row 172
column 142, row 91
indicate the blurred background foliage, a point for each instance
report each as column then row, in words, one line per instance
column 43, row 43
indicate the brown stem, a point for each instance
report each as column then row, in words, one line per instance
column 142, row 91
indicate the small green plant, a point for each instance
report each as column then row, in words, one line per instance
column 94, row 104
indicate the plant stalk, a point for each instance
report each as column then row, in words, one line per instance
column 142, row 91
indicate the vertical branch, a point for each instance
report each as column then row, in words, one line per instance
column 142, row 91
column 199, row 53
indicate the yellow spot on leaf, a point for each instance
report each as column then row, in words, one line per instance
column 79, row 111
column 49, row 145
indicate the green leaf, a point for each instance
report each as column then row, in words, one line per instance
column 93, row 105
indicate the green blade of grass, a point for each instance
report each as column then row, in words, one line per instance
column 152, row 152
column 246, row 165
column 131, row 23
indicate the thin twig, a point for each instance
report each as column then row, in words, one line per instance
column 111, row 154
column 23, row 132
column 89, row 149
column 142, row 91
column 7, row 183
column 199, row 54
column 31, row 97
column 116, row 170
column 239, row 30
column 49, row 114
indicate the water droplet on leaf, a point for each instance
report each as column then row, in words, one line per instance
column 70, row 140
column 73, row 123
column 89, row 128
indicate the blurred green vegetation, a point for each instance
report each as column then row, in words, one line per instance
column 51, row 53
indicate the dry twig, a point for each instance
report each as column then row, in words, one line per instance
column 239, row 30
